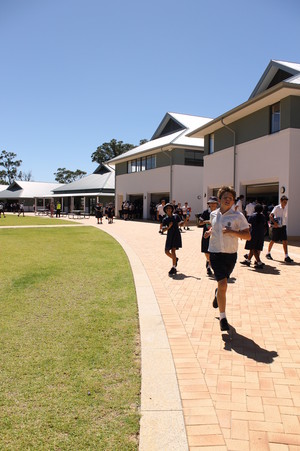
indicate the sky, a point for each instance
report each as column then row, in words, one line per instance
column 77, row 73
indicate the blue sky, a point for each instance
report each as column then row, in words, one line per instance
column 77, row 73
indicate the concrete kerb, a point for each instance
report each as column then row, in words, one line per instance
column 162, row 423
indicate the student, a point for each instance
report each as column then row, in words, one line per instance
column 186, row 213
column 204, row 221
column 239, row 203
column 278, row 219
column 2, row 210
column 99, row 213
column 173, row 241
column 227, row 225
column 256, row 244
column 160, row 215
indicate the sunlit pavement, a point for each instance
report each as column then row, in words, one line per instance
column 239, row 394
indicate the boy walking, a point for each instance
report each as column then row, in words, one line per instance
column 227, row 225
column 278, row 218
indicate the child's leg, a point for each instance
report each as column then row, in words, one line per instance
column 168, row 252
column 174, row 256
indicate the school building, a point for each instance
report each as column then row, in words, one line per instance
column 256, row 146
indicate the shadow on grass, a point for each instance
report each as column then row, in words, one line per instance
column 247, row 347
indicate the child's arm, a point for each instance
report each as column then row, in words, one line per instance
column 208, row 233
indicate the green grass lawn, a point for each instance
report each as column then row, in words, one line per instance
column 69, row 342
column 14, row 220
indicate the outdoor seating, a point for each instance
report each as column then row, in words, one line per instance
column 42, row 211
column 77, row 214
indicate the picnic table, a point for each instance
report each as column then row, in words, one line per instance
column 42, row 211
column 77, row 214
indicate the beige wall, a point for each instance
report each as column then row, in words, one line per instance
column 187, row 185
column 272, row 158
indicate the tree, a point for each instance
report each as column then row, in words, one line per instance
column 10, row 164
column 26, row 176
column 64, row 175
column 113, row 149
column 110, row 150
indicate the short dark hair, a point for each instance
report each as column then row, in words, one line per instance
column 284, row 198
column 226, row 189
column 258, row 208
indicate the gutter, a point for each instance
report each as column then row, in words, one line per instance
column 171, row 170
column 234, row 150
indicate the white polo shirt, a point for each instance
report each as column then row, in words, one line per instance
column 280, row 214
column 220, row 242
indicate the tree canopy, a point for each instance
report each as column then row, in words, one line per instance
column 10, row 164
column 63, row 175
column 112, row 149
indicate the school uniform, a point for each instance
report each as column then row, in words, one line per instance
column 173, row 235
column 258, row 222
column 222, row 247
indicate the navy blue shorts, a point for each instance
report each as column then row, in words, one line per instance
column 278, row 234
column 222, row 264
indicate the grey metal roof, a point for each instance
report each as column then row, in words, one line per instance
column 178, row 138
column 28, row 190
column 96, row 182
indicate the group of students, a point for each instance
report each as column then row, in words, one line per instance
column 182, row 211
column 15, row 208
column 108, row 211
column 223, row 224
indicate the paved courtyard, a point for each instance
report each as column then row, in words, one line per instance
column 242, row 394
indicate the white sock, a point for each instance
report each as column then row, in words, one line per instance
column 286, row 255
column 222, row 315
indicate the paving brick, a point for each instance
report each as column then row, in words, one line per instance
column 237, row 395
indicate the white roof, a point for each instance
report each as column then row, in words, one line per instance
column 102, row 178
column 271, row 71
column 178, row 138
column 28, row 190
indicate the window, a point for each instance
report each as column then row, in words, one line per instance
column 151, row 162
column 141, row 164
column 211, row 147
column 275, row 117
column 193, row 158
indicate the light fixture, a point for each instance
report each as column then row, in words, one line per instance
column 282, row 189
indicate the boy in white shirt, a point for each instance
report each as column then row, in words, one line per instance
column 228, row 226
column 278, row 218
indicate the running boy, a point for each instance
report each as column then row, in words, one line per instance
column 173, row 241
column 227, row 226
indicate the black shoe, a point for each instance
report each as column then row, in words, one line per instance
column 208, row 271
column 172, row 271
column 215, row 301
column 246, row 256
column 224, row 324
column 269, row 256
column 288, row 260
column 176, row 261
column 245, row 262
column 259, row 265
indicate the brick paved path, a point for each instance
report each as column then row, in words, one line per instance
column 239, row 395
